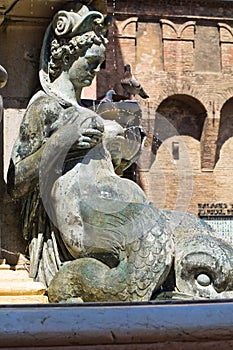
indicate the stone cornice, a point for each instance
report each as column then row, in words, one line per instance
column 112, row 325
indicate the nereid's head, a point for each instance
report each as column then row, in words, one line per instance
column 65, row 51
column 74, row 34
column 75, row 42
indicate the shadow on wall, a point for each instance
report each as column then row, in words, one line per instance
column 178, row 115
column 12, row 244
column 226, row 126
column 113, row 68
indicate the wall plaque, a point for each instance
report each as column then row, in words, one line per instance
column 215, row 209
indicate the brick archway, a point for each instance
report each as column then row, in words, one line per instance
column 225, row 131
column 175, row 151
column 185, row 113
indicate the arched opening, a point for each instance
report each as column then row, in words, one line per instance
column 185, row 114
column 225, row 131
column 178, row 126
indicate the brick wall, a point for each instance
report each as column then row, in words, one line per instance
column 182, row 53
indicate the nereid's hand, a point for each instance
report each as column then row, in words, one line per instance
column 92, row 133
column 90, row 138
column 88, row 124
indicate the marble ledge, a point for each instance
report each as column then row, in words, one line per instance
column 132, row 326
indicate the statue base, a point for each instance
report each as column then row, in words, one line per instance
column 16, row 287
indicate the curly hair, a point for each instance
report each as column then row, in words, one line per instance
column 65, row 47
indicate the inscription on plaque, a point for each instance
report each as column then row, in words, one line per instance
column 220, row 217
column 215, row 209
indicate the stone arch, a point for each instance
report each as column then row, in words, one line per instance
column 169, row 29
column 175, row 150
column 185, row 113
column 123, row 26
column 226, row 32
column 172, row 115
column 226, row 126
column 184, row 30
column 184, row 88
column 167, row 163
column 175, row 31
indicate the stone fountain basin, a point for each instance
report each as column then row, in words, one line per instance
column 122, row 326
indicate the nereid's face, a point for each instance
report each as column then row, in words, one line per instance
column 85, row 67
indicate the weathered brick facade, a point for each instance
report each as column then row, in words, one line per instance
column 182, row 53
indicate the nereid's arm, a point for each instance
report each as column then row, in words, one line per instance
column 53, row 130
column 23, row 177
column 35, row 129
